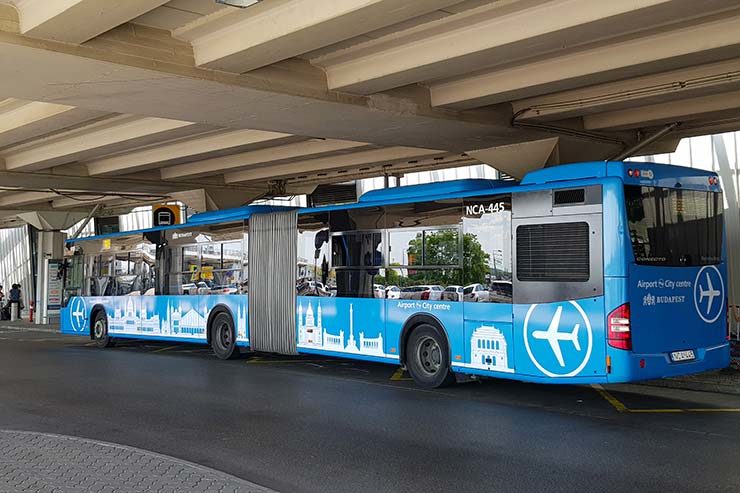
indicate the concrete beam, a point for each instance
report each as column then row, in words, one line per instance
column 16, row 113
column 518, row 159
column 314, row 166
column 206, row 199
column 77, row 21
column 240, row 41
column 14, row 200
column 72, row 145
column 246, row 159
column 51, row 220
column 102, row 185
column 710, row 40
column 672, row 85
column 113, row 82
column 482, row 37
column 30, row 123
column 149, row 157
column 706, row 107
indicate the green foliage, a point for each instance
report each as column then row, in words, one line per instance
column 442, row 248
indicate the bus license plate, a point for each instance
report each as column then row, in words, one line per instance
column 683, row 355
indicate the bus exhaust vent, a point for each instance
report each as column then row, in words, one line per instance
column 570, row 196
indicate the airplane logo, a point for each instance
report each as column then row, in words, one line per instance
column 568, row 351
column 710, row 293
column 709, row 288
column 78, row 314
column 554, row 337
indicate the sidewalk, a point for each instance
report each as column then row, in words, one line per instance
column 725, row 381
column 26, row 325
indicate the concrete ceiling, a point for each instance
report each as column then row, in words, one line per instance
column 131, row 101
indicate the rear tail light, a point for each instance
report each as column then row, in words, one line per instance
column 618, row 328
column 425, row 295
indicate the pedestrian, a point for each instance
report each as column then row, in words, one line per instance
column 16, row 296
column 2, row 295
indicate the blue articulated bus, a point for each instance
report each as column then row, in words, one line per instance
column 583, row 273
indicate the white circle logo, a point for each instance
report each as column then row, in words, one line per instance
column 552, row 354
column 78, row 314
column 709, row 293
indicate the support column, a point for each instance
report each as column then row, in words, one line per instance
column 732, row 226
column 50, row 246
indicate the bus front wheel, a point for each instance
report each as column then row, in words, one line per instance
column 100, row 330
column 223, row 337
column 428, row 357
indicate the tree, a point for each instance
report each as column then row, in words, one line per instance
column 475, row 260
column 442, row 248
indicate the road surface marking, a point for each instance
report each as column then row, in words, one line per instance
column 619, row 406
column 616, row 403
column 161, row 350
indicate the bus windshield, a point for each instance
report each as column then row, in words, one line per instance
column 674, row 227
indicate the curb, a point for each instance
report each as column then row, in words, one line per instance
column 707, row 385
column 36, row 328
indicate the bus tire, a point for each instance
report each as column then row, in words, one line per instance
column 223, row 337
column 100, row 330
column 428, row 357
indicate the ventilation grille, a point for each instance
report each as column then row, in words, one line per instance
column 570, row 196
column 553, row 252
column 334, row 194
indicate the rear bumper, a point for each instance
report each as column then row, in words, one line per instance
column 627, row 366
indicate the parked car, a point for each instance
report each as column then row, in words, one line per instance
column 476, row 293
column 307, row 287
column 424, row 292
column 225, row 289
column 378, row 291
column 393, row 292
column 189, row 288
column 500, row 292
column 453, row 293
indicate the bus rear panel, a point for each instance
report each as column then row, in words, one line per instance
column 674, row 318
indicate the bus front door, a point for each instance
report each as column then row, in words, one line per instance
column 487, row 290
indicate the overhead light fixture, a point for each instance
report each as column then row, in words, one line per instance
column 242, row 4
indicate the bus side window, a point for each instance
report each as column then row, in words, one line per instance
column 487, row 250
column 357, row 250
column 424, row 257
column 313, row 276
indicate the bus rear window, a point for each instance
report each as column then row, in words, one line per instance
column 674, row 227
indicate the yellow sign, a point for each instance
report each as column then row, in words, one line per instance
column 106, row 244
column 194, row 273
column 206, row 273
column 166, row 214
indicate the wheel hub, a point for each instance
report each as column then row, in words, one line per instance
column 430, row 355
column 99, row 329
column 225, row 334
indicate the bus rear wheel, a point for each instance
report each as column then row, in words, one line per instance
column 428, row 357
column 100, row 330
column 223, row 337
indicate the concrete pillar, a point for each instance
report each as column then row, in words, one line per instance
column 732, row 226
column 50, row 246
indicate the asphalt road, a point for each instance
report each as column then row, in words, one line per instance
column 323, row 425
